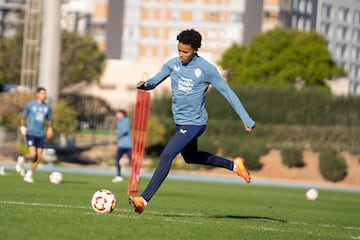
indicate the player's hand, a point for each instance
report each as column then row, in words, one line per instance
column 49, row 133
column 141, row 84
column 249, row 129
column 23, row 130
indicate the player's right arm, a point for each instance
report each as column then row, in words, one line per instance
column 23, row 129
column 151, row 83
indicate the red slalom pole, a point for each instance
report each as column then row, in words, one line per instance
column 139, row 135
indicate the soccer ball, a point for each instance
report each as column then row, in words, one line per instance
column 312, row 194
column 56, row 177
column 103, row 201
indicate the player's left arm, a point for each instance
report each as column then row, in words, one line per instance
column 49, row 130
column 220, row 84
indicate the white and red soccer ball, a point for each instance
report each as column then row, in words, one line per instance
column 103, row 201
column 56, row 177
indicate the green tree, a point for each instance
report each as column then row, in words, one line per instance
column 11, row 107
column 279, row 58
column 10, row 59
column 64, row 118
column 80, row 59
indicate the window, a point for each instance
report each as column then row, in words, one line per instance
column 197, row 15
column 213, row 16
column 309, row 7
column 343, row 14
column 295, row 4
column 175, row 15
column 326, row 11
column 294, row 22
column 357, row 71
column 356, row 35
column 325, row 29
column 357, row 17
column 236, row 17
column 302, row 5
column 300, row 23
column 355, row 54
column 342, row 32
column 340, row 50
column 352, row 70
column 308, row 24
column 343, row 51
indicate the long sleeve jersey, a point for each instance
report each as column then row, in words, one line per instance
column 189, row 84
column 123, row 133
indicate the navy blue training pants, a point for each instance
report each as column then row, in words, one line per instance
column 119, row 153
column 185, row 142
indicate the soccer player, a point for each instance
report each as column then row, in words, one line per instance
column 124, row 142
column 35, row 114
column 190, row 76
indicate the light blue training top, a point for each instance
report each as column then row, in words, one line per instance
column 123, row 133
column 36, row 114
column 189, row 84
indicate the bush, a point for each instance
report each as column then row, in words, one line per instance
column 292, row 157
column 64, row 119
column 11, row 107
column 332, row 167
column 9, row 151
column 252, row 157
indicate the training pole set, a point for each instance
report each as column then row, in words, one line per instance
column 139, row 134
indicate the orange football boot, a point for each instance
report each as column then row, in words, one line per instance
column 138, row 203
column 241, row 169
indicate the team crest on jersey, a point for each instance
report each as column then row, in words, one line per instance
column 176, row 68
column 197, row 72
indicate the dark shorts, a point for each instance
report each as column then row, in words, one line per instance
column 33, row 141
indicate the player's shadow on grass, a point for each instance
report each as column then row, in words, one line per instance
column 258, row 218
column 261, row 218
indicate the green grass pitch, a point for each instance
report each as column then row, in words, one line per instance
column 180, row 210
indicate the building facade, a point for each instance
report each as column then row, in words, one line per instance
column 150, row 26
column 9, row 17
column 339, row 22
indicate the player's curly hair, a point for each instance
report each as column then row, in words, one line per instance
column 191, row 37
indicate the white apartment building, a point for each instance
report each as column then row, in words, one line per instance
column 339, row 22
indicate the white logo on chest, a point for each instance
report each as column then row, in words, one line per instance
column 197, row 72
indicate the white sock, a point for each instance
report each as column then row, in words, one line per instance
column 234, row 167
column 20, row 160
column 145, row 202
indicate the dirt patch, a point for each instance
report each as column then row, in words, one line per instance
column 273, row 168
